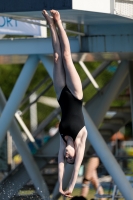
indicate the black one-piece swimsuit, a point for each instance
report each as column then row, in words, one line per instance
column 72, row 120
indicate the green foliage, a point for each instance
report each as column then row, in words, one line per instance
column 118, row 103
column 8, row 77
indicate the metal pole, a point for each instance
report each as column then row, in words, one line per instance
column 89, row 75
column 33, row 113
column 27, row 158
column 131, row 89
column 17, row 94
column 96, row 73
column 107, row 158
column 9, row 151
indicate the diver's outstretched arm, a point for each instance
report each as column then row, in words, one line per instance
column 61, row 167
column 61, row 164
column 80, row 148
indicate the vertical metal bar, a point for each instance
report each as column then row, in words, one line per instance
column 112, row 6
column 33, row 113
column 27, row 158
column 107, row 158
column 131, row 90
column 114, row 192
column 9, row 150
column 17, row 94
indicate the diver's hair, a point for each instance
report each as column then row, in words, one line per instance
column 71, row 163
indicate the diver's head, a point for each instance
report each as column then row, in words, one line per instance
column 70, row 153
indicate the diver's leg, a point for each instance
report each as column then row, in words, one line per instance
column 72, row 78
column 58, row 72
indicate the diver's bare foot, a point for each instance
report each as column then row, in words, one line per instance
column 56, row 15
column 48, row 18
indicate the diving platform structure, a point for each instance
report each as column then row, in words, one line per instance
column 106, row 35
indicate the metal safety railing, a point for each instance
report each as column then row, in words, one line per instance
column 124, row 8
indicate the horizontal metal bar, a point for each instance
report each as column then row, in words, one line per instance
column 45, row 25
column 33, row 46
column 111, row 43
column 109, row 29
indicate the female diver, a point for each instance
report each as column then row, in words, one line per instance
column 69, row 93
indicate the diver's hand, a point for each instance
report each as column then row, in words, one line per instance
column 68, row 193
column 61, row 191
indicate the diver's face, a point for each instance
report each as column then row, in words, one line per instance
column 69, row 154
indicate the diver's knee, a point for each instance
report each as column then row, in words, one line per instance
column 56, row 57
column 66, row 55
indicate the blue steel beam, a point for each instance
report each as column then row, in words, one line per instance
column 33, row 46
column 93, row 44
column 17, row 94
column 131, row 89
column 109, row 29
column 109, row 43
